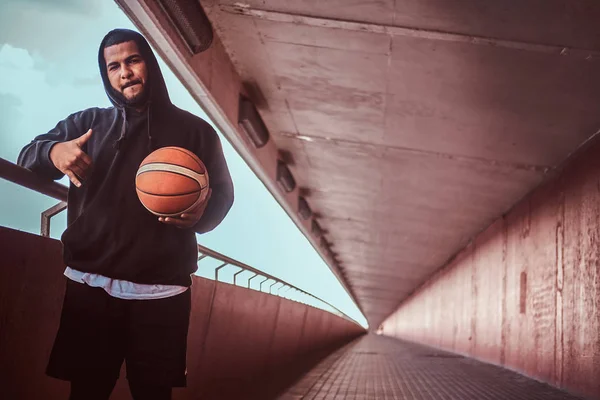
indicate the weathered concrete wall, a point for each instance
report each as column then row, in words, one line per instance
column 240, row 340
column 526, row 293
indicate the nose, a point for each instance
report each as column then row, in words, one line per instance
column 126, row 72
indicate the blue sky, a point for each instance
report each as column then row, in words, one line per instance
column 48, row 70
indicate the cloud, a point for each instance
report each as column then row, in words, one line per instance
column 33, row 102
column 14, row 57
column 11, row 115
column 9, row 102
column 85, row 81
column 59, row 30
column 17, row 71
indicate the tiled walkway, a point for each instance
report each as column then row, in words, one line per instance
column 376, row 367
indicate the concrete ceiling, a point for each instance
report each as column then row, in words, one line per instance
column 413, row 124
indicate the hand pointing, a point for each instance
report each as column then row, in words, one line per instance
column 69, row 159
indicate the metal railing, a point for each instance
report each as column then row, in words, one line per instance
column 28, row 179
column 283, row 288
column 23, row 177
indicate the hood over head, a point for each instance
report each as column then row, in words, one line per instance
column 155, row 91
column 156, row 88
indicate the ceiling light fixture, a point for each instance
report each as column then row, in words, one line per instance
column 190, row 21
column 284, row 177
column 251, row 123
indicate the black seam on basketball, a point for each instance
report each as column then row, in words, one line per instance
column 200, row 166
column 170, row 194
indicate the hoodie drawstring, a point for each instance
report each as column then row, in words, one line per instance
column 122, row 135
column 150, row 146
column 121, row 138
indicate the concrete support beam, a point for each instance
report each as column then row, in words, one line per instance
column 321, row 22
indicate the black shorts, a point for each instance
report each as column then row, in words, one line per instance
column 97, row 332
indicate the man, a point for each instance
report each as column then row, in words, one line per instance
column 129, row 272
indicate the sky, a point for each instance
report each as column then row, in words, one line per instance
column 49, row 69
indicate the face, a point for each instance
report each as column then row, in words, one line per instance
column 126, row 71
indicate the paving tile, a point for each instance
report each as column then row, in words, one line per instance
column 381, row 368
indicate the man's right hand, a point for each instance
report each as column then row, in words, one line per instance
column 69, row 159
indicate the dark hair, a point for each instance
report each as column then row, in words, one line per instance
column 119, row 36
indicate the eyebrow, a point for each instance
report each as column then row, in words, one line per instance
column 135, row 55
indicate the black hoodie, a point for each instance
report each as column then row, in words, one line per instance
column 109, row 231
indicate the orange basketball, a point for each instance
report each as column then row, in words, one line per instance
column 171, row 181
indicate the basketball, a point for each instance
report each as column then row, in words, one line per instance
column 171, row 181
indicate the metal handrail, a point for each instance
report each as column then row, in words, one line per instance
column 205, row 252
column 23, row 177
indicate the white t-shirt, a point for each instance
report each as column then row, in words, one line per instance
column 124, row 289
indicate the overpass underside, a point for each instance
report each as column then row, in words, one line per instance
column 441, row 156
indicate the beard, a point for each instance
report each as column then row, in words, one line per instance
column 140, row 99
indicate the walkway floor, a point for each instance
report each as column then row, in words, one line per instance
column 381, row 368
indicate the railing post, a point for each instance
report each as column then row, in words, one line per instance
column 261, row 283
column 286, row 292
column 236, row 274
column 279, row 289
column 252, row 277
column 217, row 270
column 271, row 287
column 47, row 216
